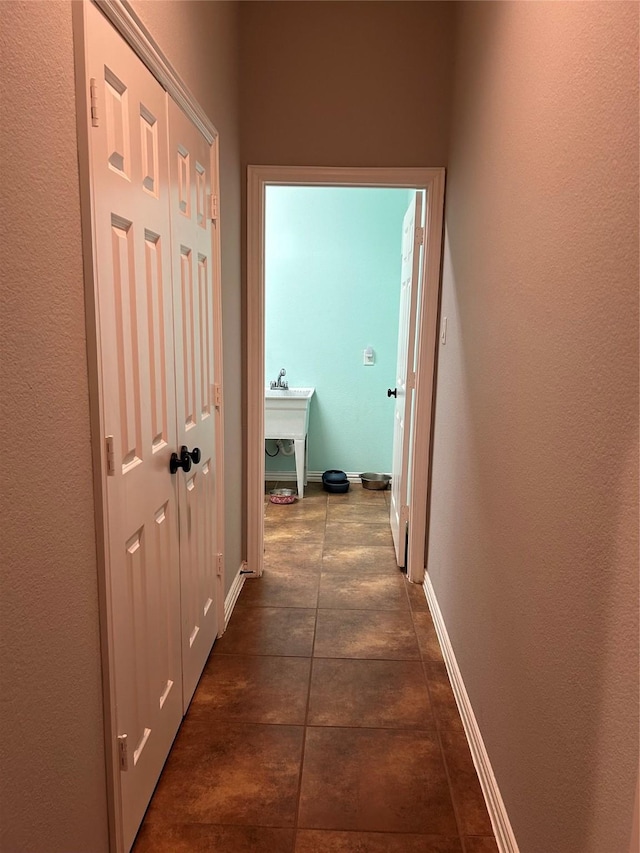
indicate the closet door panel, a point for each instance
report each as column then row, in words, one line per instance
column 190, row 172
column 129, row 165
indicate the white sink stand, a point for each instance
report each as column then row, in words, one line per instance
column 286, row 415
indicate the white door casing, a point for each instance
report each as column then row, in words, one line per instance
column 148, row 520
column 191, row 190
column 405, row 376
column 133, row 262
column 431, row 180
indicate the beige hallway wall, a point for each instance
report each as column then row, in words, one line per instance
column 533, row 550
column 53, row 794
column 345, row 84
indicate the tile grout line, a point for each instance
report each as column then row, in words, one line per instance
column 437, row 733
column 304, row 738
column 306, row 713
column 304, row 725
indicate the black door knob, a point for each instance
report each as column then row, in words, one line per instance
column 183, row 461
column 195, row 455
column 391, row 393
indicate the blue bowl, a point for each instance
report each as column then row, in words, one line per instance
column 335, row 482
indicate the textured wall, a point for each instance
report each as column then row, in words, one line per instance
column 201, row 42
column 533, row 550
column 333, row 267
column 53, row 795
column 345, row 84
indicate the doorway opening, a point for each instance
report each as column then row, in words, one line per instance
column 430, row 183
column 332, row 287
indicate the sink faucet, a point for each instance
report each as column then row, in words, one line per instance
column 279, row 383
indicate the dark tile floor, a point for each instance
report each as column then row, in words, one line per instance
column 324, row 721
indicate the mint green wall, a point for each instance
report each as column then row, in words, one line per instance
column 333, row 263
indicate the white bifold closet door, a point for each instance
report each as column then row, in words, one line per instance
column 152, row 259
column 193, row 301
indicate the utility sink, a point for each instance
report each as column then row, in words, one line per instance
column 283, row 393
column 286, row 412
column 286, row 415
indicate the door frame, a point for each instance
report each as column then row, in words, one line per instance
column 122, row 17
column 432, row 181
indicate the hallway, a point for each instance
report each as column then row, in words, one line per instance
column 324, row 721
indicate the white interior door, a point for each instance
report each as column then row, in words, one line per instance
column 412, row 237
column 193, row 269
column 134, row 292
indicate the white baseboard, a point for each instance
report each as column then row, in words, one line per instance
column 234, row 592
column 503, row 832
column 312, row 476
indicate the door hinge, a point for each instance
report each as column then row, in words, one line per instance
column 213, row 203
column 420, row 235
column 123, row 752
column 404, row 516
column 93, row 95
column 217, row 394
column 111, row 457
column 220, row 565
